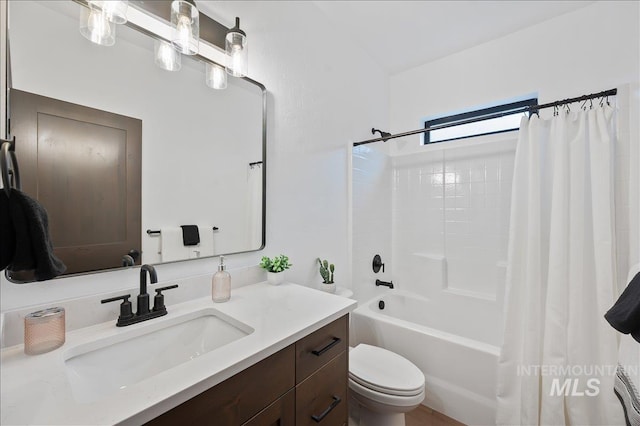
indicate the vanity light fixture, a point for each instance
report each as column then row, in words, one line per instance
column 237, row 51
column 115, row 10
column 96, row 27
column 166, row 57
column 185, row 19
column 216, row 77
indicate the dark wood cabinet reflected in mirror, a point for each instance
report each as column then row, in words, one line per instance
column 202, row 150
column 84, row 166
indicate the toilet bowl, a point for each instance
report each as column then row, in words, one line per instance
column 383, row 386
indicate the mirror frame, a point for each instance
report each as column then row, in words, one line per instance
column 5, row 86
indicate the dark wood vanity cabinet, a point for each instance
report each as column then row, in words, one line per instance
column 303, row 384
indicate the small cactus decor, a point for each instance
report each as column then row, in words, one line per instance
column 326, row 271
column 277, row 264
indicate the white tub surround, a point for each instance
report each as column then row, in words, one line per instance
column 37, row 390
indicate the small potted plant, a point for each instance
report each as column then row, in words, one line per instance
column 275, row 268
column 326, row 272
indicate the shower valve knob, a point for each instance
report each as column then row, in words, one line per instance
column 377, row 264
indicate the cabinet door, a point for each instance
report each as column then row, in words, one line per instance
column 238, row 398
column 281, row 413
column 315, row 350
column 322, row 398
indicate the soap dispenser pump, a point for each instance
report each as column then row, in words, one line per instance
column 221, row 284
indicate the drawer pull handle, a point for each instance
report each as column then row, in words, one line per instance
column 336, row 401
column 318, row 352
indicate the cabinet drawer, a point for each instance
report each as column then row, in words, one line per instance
column 238, row 398
column 322, row 398
column 321, row 346
column 281, row 413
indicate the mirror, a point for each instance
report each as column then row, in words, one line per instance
column 203, row 150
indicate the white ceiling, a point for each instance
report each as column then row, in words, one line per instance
column 403, row 34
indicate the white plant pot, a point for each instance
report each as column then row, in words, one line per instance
column 329, row 288
column 275, row 278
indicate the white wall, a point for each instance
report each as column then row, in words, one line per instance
column 594, row 48
column 323, row 94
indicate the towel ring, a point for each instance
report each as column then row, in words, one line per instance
column 9, row 174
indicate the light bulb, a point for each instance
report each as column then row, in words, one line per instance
column 216, row 77
column 95, row 27
column 185, row 19
column 183, row 30
column 166, row 56
column 236, row 49
column 115, row 10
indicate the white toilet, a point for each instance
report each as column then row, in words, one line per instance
column 383, row 386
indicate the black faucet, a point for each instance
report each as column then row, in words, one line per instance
column 127, row 317
column 384, row 283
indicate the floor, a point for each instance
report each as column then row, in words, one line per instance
column 424, row 416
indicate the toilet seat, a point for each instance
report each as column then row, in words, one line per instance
column 380, row 370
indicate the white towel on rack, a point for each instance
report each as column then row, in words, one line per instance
column 206, row 241
column 172, row 246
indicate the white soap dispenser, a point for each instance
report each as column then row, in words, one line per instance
column 221, row 284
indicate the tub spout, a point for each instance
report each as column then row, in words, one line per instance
column 384, row 283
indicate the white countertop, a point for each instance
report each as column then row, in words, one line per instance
column 36, row 390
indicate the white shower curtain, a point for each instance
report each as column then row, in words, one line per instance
column 559, row 354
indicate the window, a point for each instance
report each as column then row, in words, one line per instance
column 506, row 118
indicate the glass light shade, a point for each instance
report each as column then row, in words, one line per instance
column 166, row 57
column 95, row 27
column 185, row 20
column 116, row 10
column 216, row 76
column 237, row 53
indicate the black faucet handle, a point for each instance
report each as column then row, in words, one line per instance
column 124, row 299
column 158, row 300
column 126, row 312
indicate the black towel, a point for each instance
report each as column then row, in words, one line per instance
column 190, row 235
column 33, row 249
column 7, row 233
column 624, row 315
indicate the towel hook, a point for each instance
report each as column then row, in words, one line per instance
column 9, row 166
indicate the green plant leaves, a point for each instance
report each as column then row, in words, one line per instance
column 277, row 264
column 326, row 271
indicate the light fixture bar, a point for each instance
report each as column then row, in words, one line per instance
column 211, row 31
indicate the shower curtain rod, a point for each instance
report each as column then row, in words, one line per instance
column 532, row 108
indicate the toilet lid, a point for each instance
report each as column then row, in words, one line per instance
column 384, row 371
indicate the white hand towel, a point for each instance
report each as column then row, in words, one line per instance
column 206, row 241
column 172, row 246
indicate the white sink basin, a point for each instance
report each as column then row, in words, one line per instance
column 104, row 366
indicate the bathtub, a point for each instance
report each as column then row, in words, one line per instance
column 459, row 359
